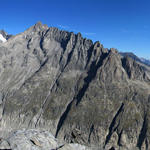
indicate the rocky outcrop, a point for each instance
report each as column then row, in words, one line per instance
column 78, row 90
column 36, row 140
column 134, row 57
column 134, row 70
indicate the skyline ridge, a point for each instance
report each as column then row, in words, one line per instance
column 124, row 24
column 84, row 35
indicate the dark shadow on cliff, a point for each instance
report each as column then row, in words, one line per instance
column 91, row 75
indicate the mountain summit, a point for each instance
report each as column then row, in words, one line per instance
column 80, row 91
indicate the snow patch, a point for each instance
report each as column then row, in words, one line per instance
column 2, row 38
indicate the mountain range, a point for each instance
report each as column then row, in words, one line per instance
column 4, row 36
column 133, row 56
column 78, row 90
column 145, row 61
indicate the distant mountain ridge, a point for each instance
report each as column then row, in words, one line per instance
column 133, row 56
column 145, row 61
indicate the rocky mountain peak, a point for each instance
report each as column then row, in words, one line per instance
column 40, row 26
column 113, row 50
column 97, row 44
column 81, row 92
column 134, row 70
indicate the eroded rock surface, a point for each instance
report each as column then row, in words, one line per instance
column 36, row 140
column 78, row 90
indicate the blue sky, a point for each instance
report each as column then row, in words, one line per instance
column 122, row 24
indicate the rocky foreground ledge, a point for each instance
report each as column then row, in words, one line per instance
column 40, row 139
column 34, row 139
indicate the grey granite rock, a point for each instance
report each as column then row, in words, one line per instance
column 78, row 90
column 36, row 140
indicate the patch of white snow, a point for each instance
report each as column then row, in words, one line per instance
column 2, row 38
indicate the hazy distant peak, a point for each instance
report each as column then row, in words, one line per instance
column 145, row 61
column 134, row 57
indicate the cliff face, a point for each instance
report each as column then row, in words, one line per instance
column 77, row 89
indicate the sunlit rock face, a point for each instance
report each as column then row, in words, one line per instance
column 36, row 140
column 78, row 90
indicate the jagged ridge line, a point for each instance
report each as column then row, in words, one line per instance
column 52, row 86
column 66, row 112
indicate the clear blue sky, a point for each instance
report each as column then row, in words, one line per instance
column 122, row 24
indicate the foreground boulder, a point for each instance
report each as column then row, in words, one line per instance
column 36, row 140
